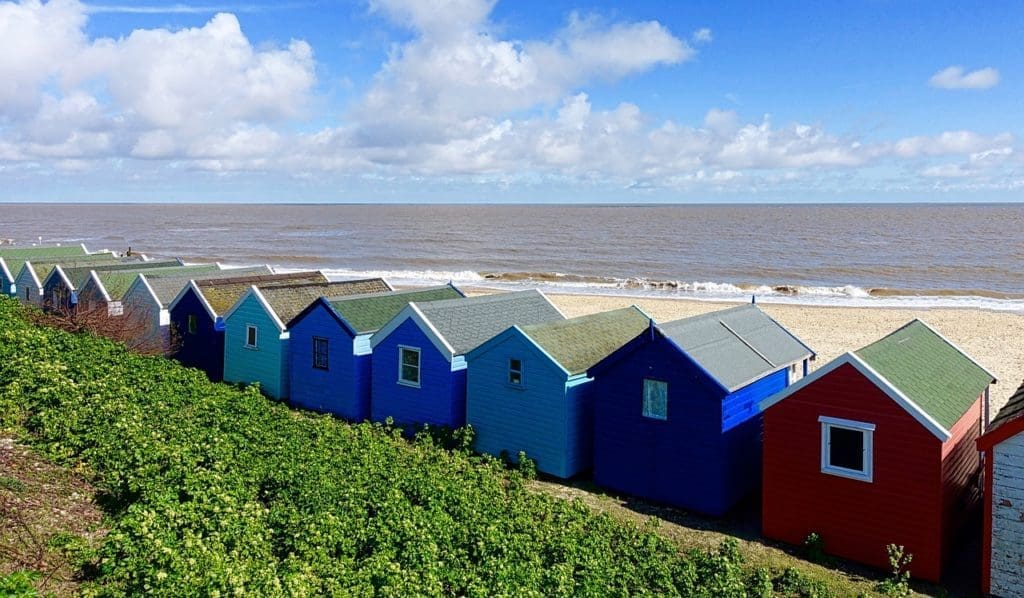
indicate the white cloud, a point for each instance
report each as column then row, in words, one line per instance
column 955, row 77
column 950, row 142
column 702, row 36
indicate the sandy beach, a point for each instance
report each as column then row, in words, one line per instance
column 987, row 336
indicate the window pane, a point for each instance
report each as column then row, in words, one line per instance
column 846, row 448
column 320, row 352
column 515, row 371
column 409, row 360
column 655, row 399
column 251, row 336
column 410, row 357
column 410, row 373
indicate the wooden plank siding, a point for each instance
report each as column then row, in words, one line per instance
column 29, row 291
column 541, row 417
column 1006, row 504
column 440, row 400
column 266, row 363
column 146, row 318
column 856, row 519
column 203, row 349
column 682, row 461
column 961, row 473
column 344, row 387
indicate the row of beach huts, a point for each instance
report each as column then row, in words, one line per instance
column 887, row 444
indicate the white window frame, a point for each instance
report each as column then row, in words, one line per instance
column 256, row 336
column 643, row 400
column 419, row 366
column 867, row 429
column 511, row 370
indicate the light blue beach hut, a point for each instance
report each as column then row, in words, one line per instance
column 527, row 388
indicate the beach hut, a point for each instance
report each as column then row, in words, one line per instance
column 13, row 258
column 877, row 447
column 256, row 338
column 31, row 279
column 330, row 348
column 419, row 364
column 61, row 281
column 675, row 410
column 103, row 290
column 1002, row 557
column 197, row 315
column 527, row 388
column 146, row 301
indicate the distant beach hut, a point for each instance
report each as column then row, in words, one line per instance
column 104, row 290
column 1002, row 556
column 147, row 300
column 877, row 447
column 330, row 348
column 197, row 315
column 256, row 338
column 12, row 258
column 31, row 279
column 419, row 363
column 676, row 409
column 527, row 388
column 62, row 281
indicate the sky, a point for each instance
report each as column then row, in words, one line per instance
column 511, row 101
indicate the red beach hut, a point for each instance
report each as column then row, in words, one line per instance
column 877, row 447
column 1002, row 540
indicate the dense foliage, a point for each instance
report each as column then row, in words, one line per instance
column 213, row 490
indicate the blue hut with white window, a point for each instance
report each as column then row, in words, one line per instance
column 330, row 348
column 676, row 415
column 528, row 389
column 419, row 357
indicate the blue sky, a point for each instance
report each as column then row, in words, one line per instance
column 476, row 100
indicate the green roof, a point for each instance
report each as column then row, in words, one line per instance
column 118, row 282
column 221, row 294
column 928, row 370
column 78, row 272
column 288, row 300
column 368, row 313
column 27, row 253
column 43, row 267
column 579, row 343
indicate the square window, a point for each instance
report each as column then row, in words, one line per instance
column 515, row 372
column 655, row 399
column 319, row 353
column 409, row 366
column 250, row 336
column 847, row 448
column 193, row 324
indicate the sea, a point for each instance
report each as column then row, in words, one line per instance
column 913, row 255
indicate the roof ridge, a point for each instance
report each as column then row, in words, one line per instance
column 322, row 283
column 257, row 277
column 436, row 305
column 341, row 298
column 577, row 320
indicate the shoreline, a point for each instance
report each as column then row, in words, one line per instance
column 985, row 335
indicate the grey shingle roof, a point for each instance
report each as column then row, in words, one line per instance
column 1013, row 409
column 579, row 343
column 221, row 294
column 466, row 323
column 117, row 282
column 738, row 345
column 168, row 287
column 288, row 300
column 367, row 313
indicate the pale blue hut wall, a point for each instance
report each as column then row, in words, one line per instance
column 440, row 399
column 267, row 362
column 344, row 387
column 28, row 291
column 58, row 294
column 531, row 417
column 144, row 314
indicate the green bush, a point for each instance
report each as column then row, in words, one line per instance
column 210, row 490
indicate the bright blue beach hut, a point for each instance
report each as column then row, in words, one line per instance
column 676, row 416
column 419, row 364
column 256, row 338
column 330, row 348
column 527, row 389
column 197, row 316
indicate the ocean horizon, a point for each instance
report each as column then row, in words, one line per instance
column 868, row 254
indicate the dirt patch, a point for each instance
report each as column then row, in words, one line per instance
column 48, row 519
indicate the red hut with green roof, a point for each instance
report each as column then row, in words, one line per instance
column 877, row 448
